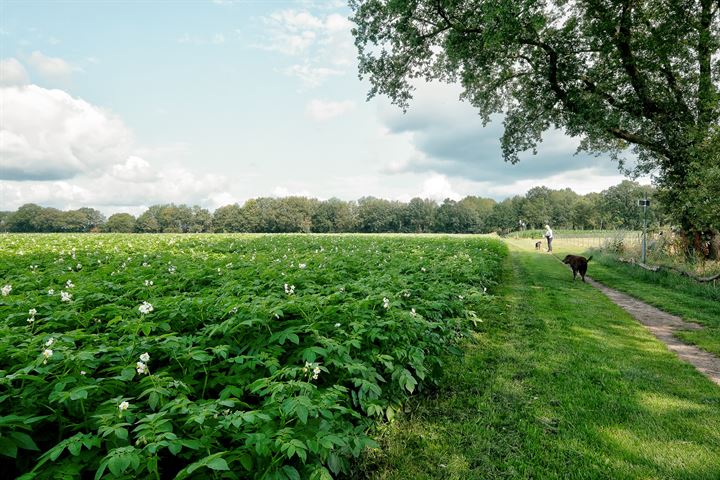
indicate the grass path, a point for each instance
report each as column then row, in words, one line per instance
column 558, row 383
column 694, row 302
column 666, row 327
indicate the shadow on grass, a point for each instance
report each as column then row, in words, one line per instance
column 558, row 383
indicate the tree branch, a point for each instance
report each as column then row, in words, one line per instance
column 591, row 87
column 705, row 85
column 638, row 140
column 622, row 43
column 666, row 68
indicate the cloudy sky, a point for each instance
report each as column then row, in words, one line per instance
column 119, row 105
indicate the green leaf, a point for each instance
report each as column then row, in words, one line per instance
column 334, row 463
column 302, row 412
column 74, row 448
column 101, row 470
column 118, row 464
column 78, row 394
column 8, row 448
column 23, row 440
column 218, row 464
column 56, row 451
column 291, row 472
column 210, row 461
column 246, row 461
column 153, row 400
column 192, row 444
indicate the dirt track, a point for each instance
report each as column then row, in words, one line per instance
column 663, row 325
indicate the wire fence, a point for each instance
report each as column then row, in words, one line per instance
column 587, row 238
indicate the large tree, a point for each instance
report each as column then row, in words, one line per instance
column 120, row 223
column 638, row 76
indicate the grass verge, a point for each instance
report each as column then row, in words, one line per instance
column 668, row 291
column 557, row 383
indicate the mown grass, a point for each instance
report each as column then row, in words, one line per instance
column 673, row 293
column 558, row 383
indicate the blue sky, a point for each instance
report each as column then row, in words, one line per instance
column 119, row 105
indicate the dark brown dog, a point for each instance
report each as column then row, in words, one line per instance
column 538, row 245
column 578, row 264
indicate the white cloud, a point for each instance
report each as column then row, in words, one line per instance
column 311, row 76
column 214, row 39
column 437, row 187
column 64, row 152
column 323, row 4
column 295, row 21
column 337, row 23
column 321, row 110
column 12, row 72
column 323, row 42
column 293, row 32
column 582, row 181
column 134, row 169
column 281, row 191
column 449, row 137
column 113, row 190
column 220, row 199
column 47, row 134
column 52, row 68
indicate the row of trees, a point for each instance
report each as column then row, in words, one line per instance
column 614, row 208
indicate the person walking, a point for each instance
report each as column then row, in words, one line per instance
column 549, row 237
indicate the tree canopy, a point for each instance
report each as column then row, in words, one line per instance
column 638, row 76
column 614, row 208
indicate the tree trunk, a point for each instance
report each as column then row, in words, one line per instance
column 714, row 245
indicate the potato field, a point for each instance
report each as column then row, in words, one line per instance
column 224, row 356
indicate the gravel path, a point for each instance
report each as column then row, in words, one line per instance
column 662, row 325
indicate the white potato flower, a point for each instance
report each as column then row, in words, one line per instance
column 146, row 308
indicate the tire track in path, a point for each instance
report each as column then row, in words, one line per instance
column 663, row 325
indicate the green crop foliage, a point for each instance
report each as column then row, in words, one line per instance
column 227, row 356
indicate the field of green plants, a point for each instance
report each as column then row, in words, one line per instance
column 228, row 356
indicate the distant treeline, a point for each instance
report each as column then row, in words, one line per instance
column 614, row 208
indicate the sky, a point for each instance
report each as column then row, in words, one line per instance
column 119, row 105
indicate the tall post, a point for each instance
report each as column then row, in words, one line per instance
column 644, row 239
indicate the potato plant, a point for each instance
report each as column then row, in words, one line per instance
column 224, row 356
